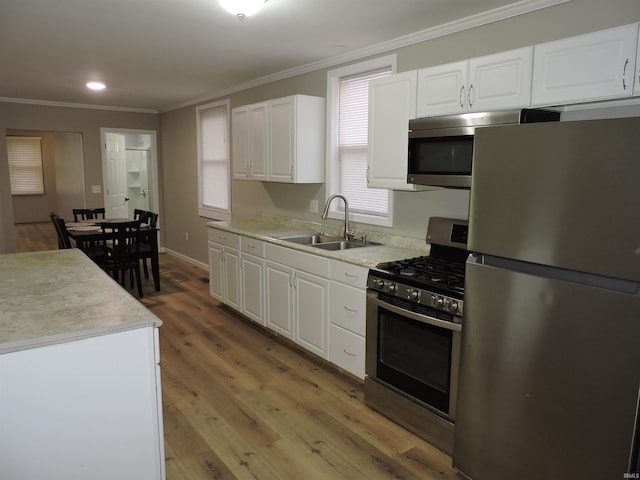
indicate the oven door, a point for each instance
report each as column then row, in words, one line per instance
column 414, row 352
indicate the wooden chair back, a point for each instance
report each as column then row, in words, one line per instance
column 88, row 214
column 61, row 231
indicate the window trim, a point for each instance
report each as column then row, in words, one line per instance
column 208, row 211
column 332, row 162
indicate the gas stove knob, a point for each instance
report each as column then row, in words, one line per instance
column 377, row 283
column 391, row 287
column 412, row 294
column 446, row 304
column 436, row 301
column 454, row 306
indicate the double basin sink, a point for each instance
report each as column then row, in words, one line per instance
column 324, row 241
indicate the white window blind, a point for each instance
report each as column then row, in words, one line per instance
column 213, row 151
column 353, row 145
column 25, row 165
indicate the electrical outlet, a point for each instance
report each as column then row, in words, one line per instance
column 186, row 236
column 313, row 206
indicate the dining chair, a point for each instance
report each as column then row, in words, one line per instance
column 122, row 251
column 146, row 251
column 63, row 236
column 88, row 214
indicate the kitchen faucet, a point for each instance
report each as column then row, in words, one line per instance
column 347, row 232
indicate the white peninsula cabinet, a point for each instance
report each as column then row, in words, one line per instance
column 80, row 382
column 280, row 140
column 491, row 82
column 595, row 66
column 392, row 103
column 348, row 317
column 297, row 296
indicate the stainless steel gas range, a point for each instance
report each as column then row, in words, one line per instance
column 414, row 324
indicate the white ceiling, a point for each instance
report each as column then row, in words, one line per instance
column 161, row 54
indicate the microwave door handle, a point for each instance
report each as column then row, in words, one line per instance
column 455, row 327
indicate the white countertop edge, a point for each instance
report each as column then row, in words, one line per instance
column 28, row 344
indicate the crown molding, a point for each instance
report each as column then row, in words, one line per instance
column 86, row 106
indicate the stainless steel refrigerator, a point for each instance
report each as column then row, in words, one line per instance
column 550, row 368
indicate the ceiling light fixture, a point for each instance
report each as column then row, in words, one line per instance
column 242, row 8
column 96, row 85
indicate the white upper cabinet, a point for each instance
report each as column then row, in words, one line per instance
column 442, row 89
column 392, row 103
column 595, row 66
column 501, row 80
column 280, row 140
column 636, row 73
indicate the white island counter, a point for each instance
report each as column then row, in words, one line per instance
column 80, row 392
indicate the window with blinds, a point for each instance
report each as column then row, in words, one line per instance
column 213, row 161
column 25, row 165
column 353, row 145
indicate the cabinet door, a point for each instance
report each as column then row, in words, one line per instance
column 281, row 139
column 216, row 271
column 595, row 66
column 253, row 287
column 392, row 102
column 258, row 141
column 636, row 73
column 499, row 81
column 442, row 89
column 279, row 297
column 240, row 142
column 311, row 312
column 232, row 288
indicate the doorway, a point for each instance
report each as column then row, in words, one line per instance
column 130, row 171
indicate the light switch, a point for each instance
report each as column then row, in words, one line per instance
column 95, row 189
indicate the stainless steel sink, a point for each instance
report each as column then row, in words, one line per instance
column 308, row 238
column 341, row 245
column 324, row 241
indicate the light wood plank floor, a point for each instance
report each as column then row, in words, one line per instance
column 239, row 403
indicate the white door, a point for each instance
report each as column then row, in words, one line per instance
column 116, row 178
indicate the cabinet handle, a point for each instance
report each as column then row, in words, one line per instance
column 350, row 310
column 291, row 174
column 368, row 165
column 350, row 354
column 461, row 97
column 347, row 274
column 624, row 74
column 470, row 96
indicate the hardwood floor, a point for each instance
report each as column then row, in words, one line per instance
column 239, row 403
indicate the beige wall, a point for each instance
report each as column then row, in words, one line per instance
column 411, row 209
column 87, row 122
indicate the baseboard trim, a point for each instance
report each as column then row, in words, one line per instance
column 190, row 260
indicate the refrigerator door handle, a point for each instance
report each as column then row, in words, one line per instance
column 634, row 456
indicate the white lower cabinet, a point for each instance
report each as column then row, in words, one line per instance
column 297, row 293
column 348, row 317
column 224, row 267
column 318, row 303
column 252, row 278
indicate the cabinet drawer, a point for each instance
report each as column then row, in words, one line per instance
column 349, row 273
column 307, row 262
column 252, row 246
column 222, row 237
column 347, row 350
column 348, row 307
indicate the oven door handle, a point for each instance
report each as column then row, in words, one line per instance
column 456, row 327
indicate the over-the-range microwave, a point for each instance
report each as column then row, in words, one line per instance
column 441, row 148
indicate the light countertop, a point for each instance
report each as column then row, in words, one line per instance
column 61, row 295
column 264, row 228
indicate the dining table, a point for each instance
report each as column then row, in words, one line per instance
column 89, row 231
